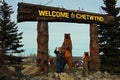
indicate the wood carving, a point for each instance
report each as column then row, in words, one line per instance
column 32, row 12
column 67, row 49
column 44, row 14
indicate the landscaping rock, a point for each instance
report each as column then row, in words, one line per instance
column 29, row 70
column 11, row 68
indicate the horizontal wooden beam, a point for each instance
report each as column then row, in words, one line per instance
column 32, row 12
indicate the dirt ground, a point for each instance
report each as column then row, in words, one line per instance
column 26, row 74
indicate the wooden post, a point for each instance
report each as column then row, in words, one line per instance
column 85, row 63
column 42, row 49
column 94, row 49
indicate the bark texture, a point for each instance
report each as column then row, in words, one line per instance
column 42, row 48
column 94, row 48
column 29, row 12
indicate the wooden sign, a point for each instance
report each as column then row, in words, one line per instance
column 32, row 12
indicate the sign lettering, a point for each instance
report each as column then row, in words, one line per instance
column 59, row 14
column 53, row 13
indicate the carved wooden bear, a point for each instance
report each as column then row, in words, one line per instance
column 67, row 49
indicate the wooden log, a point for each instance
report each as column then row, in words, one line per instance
column 94, row 48
column 42, row 49
column 32, row 12
column 85, row 64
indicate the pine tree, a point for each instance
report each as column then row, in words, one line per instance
column 109, row 39
column 9, row 36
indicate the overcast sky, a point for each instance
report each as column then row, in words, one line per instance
column 79, row 32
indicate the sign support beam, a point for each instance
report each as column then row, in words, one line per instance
column 94, row 48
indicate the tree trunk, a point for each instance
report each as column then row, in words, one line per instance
column 94, row 49
column 42, row 49
column 2, row 54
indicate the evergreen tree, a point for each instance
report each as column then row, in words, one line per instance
column 9, row 36
column 109, row 39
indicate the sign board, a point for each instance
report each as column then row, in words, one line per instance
column 32, row 12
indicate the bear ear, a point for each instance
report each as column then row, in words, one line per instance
column 65, row 34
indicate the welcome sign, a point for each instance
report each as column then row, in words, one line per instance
column 71, row 15
column 31, row 12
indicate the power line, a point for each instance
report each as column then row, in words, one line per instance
column 48, row 2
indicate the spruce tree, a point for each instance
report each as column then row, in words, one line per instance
column 109, row 39
column 9, row 36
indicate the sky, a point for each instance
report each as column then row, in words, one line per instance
column 79, row 32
